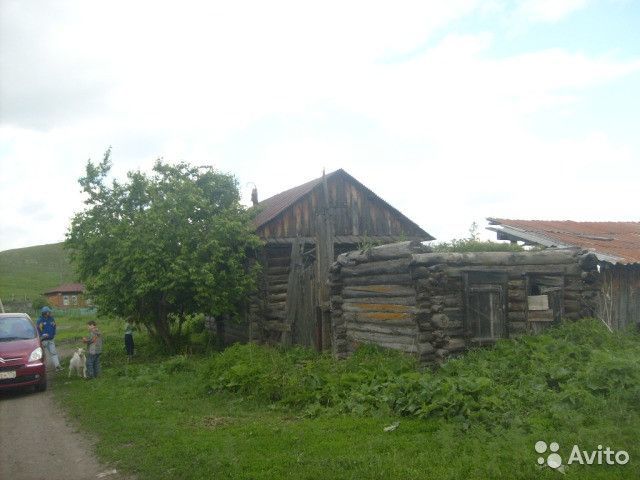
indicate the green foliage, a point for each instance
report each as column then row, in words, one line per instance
column 573, row 370
column 474, row 245
column 575, row 385
column 39, row 302
column 25, row 273
column 161, row 247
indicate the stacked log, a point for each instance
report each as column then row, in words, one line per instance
column 276, row 276
column 402, row 297
column 374, row 299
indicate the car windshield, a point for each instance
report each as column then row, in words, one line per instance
column 16, row 328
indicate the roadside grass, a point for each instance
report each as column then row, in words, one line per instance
column 237, row 414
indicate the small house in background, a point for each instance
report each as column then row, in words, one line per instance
column 304, row 229
column 67, row 296
column 616, row 246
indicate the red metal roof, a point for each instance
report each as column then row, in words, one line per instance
column 67, row 288
column 617, row 239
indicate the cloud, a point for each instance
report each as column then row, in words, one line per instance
column 45, row 80
column 403, row 96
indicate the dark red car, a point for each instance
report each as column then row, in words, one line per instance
column 22, row 360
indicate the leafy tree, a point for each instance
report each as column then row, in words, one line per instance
column 161, row 247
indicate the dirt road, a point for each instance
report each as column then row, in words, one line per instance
column 37, row 442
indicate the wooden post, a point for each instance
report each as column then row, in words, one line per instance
column 294, row 291
column 325, row 236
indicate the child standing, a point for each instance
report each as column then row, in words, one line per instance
column 94, row 342
column 128, row 339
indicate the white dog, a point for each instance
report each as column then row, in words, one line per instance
column 78, row 363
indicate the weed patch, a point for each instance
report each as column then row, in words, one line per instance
column 568, row 373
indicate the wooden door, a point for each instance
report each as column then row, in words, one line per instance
column 485, row 312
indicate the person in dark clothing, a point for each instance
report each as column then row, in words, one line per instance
column 46, row 325
column 128, row 339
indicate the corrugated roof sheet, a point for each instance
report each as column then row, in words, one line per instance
column 613, row 239
column 67, row 288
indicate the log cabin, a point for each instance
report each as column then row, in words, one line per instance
column 433, row 305
column 303, row 230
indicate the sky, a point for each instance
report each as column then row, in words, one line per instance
column 451, row 111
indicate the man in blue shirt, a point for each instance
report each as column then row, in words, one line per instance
column 47, row 331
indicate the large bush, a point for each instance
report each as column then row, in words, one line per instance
column 565, row 375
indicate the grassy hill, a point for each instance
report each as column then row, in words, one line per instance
column 27, row 272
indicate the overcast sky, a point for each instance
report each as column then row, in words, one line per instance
column 451, row 111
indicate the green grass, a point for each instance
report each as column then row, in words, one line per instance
column 254, row 412
column 25, row 273
column 71, row 327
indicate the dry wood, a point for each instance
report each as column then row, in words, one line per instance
column 454, row 300
column 516, row 295
column 294, row 291
column 378, row 291
column 354, row 318
column 517, row 327
column 572, row 305
column 421, row 272
column 383, row 252
column 378, row 268
column 456, row 344
column 516, row 272
column 397, row 342
column 410, row 301
column 383, row 317
column 397, row 279
column 546, row 257
column 276, row 306
column 277, row 297
column 279, row 261
column 272, row 271
column 278, row 279
column 409, row 330
column 440, row 320
column 277, row 288
column 276, row 326
column 517, row 306
column 426, row 349
column 541, row 316
column 377, row 307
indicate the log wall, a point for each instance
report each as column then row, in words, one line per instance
column 403, row 297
